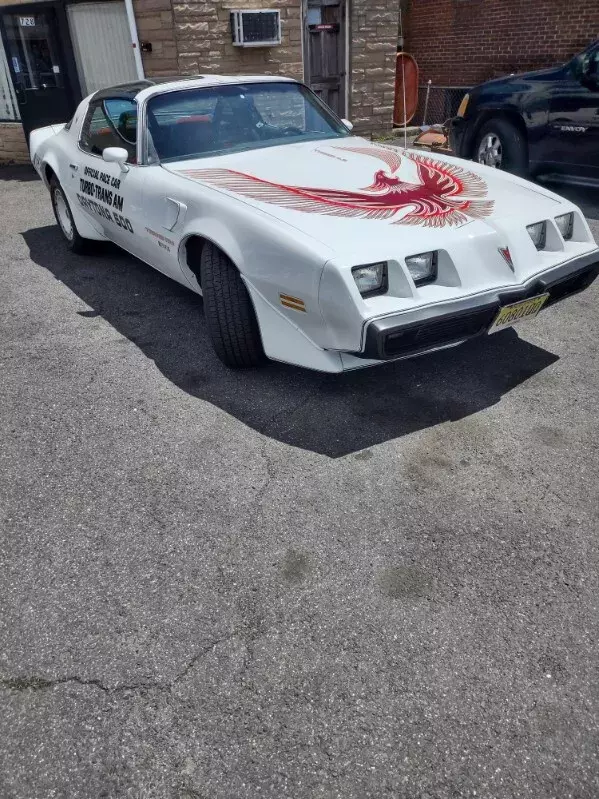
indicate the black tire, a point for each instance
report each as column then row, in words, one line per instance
column 513, row 146
column 230, row 315
column 74, row 241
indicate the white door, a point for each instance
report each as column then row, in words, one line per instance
column 102, row 45
column 111, row 197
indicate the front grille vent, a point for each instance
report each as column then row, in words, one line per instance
column 436, row 334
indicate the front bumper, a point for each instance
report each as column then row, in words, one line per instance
column 438, row 326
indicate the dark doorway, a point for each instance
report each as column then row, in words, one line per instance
column 324, row 36
column 38, row 69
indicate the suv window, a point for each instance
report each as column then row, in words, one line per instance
column 111, row 123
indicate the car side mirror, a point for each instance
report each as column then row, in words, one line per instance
column 349, row 125
column 116, row 155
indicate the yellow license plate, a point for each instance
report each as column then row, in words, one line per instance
column 525, row 309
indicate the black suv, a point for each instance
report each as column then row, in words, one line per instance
column 544, row 122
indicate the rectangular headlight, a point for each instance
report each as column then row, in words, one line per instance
column 371, row 279
column 423, row 267
column 538, row 234
column 565, row 225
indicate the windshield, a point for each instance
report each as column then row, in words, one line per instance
column 196, row 123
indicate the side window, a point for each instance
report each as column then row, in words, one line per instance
column 111, row 123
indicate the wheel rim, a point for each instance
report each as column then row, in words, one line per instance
column 63, row 214
column 490, row 151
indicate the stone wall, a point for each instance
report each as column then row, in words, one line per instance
column 203, row 32
column 154, row 19
column 13, row 147
column 373, row 36
column 194, row 37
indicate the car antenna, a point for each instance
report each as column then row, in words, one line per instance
column 403, row 81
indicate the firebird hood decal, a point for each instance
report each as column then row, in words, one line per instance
column 445, row 194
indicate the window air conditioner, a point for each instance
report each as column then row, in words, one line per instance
column 256, row 28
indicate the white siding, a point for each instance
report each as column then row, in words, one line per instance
column 102, row 45
column 8, row 102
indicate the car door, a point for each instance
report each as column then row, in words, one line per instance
column 110, row 196
column 574, row 118
column 132, row 206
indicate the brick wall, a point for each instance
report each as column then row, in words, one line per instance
column 373, row 34
column 464, row 42
column 13, row 147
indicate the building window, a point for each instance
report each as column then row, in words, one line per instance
column 9, row 110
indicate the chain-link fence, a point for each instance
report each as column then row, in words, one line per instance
column 437, row 104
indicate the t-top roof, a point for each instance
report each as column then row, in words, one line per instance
column 128, row 91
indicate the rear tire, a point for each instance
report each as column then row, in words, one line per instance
column 500, row 144
column 230, row 315
column 64, row 219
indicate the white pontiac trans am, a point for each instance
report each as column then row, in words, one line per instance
column 309, row 245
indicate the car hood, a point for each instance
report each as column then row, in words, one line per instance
column 547, row 74
column 354, row 195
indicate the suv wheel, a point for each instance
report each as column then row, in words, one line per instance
column 501, row 145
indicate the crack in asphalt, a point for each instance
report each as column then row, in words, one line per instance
column 270, row 475
column 36, row 683
column 292, row 416
column 271, row 471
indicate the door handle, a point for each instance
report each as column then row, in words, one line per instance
column 74, row 167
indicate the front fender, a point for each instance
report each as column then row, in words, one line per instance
column 274, row 261
column 214, row 231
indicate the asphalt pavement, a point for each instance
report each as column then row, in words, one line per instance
column 219, row 585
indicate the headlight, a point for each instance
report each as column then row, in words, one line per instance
column 423, row 267
column 565, row 225
column 463, row 105
column 371, row 279
column 538, row 234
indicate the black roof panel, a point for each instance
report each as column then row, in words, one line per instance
column 128, row 91
column 125, row 91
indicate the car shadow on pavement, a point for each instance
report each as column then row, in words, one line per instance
column 21, row 172
column 329, row 414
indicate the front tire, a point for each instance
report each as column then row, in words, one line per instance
column 500, row 144
column 230, row 315
column 64, row 219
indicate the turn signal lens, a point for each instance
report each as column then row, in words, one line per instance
column 371, row 279
column 423, row 267
column 538, row 234
column 463, row 105
column 565, row 225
